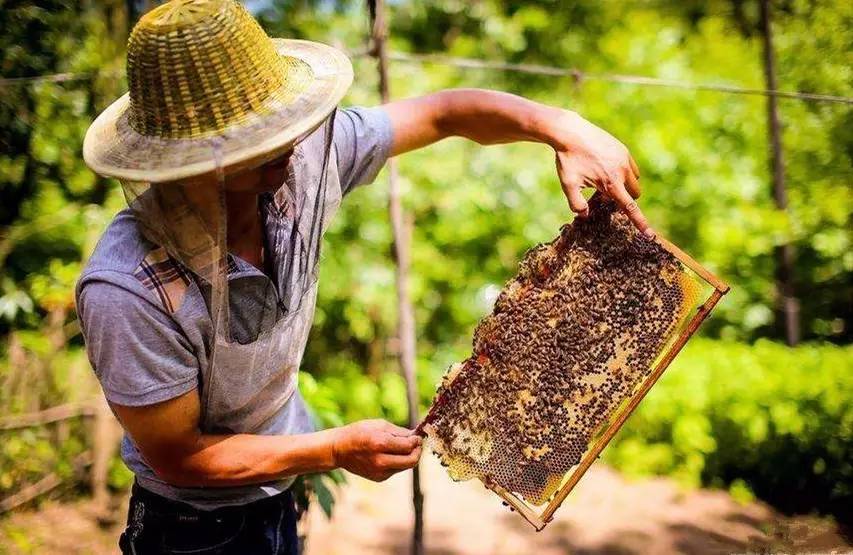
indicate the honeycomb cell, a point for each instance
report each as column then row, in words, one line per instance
column 569, row 339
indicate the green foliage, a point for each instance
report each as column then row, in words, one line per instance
column 52, row 213
column 320, row 487
column 702, row 154
column 29, row 455
column 119, row 477
column 339, row 399
column 763, row 419
column 53, row 208
column 35, row 375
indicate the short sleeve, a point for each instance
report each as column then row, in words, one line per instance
column 362, row 138
column 136, row 349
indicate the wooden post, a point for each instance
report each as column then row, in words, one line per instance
column 105, row 438
column 789, row 308
column 401, row 231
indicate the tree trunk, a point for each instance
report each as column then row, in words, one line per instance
column 788, row 313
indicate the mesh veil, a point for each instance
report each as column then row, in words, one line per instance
column 257, row 323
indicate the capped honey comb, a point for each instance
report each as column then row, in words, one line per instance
column 570, row 339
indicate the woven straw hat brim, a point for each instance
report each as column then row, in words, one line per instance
column 113, row 148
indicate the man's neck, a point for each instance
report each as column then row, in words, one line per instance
column 245, row 231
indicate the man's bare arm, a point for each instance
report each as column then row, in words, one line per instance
column 586, row 155
column 168, row 436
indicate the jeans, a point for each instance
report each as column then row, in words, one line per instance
column 156, row 525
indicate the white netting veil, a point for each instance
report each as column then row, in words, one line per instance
column 257, row 319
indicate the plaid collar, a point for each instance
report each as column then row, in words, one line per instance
column 164, row 275
column 168, row 279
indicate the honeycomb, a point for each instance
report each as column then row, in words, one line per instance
column 569, row 339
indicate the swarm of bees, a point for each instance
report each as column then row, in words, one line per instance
column 569, row 339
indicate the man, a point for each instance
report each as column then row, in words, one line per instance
column 197, row 302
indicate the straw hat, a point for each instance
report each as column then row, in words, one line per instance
column 208, row 87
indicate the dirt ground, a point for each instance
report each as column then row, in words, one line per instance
column 605, row 515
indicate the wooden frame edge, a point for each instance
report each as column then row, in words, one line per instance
column 688, row 261
column 535, row 520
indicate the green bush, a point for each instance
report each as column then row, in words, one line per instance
column 349, row 396
column 763, row 418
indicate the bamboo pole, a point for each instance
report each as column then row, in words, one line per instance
column 401, row 229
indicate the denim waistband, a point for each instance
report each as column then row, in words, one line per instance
column 156, row 504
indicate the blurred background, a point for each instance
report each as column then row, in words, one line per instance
column 751, row 429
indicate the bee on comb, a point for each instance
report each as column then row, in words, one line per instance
column 575, row 340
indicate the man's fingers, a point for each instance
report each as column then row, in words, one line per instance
column 577, row 203
column 393, row 429
column 635, row 169
column 399, row 462
column 401, row 445
column 632, row 184
column 572, row 183
column 630, row 207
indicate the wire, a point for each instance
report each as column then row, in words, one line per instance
column 52, row 78
column 533, row 69
column 578, row 75
column 55, row 77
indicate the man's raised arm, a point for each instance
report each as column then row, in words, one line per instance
column 586, row 155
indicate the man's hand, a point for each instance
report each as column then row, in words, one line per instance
column 168, row 436
column 588, row 156
column 375, row 449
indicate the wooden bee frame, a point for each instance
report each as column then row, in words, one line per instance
column 618, row 419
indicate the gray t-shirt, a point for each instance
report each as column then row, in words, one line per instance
column 148, row 331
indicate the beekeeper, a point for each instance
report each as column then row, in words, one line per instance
column 197, row 302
